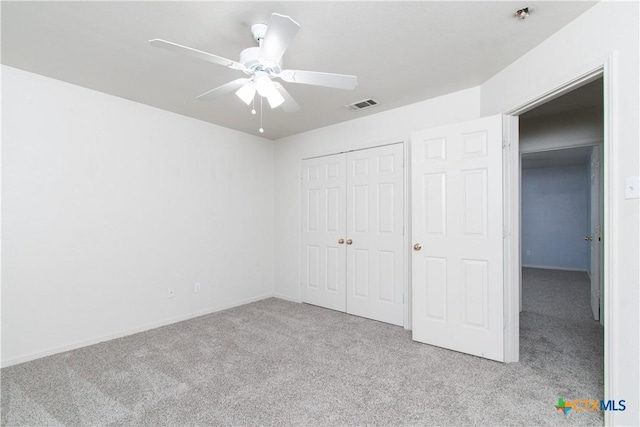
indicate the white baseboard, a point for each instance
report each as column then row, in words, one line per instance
column 548, row 267
column 286, row 298
column 121, row 334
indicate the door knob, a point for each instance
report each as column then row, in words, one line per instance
column 341, row 241
column 417, row 247
column 349, row 241
column 588, row 238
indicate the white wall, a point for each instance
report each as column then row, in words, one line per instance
column 605, row 29
column 108, row 203
column 386, row 127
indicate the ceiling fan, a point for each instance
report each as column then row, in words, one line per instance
column 262, row 64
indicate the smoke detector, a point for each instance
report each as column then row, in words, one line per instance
column 522, row 13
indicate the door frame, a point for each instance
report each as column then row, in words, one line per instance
column 406, row 206
column 605, row 69
column 597, row 231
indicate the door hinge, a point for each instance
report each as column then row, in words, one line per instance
column 505, row 233
column 505, row 144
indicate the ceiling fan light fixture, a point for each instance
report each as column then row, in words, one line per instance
column 275, row 98
column 264, row 85
column 262, row 63
column 247, row 92
column 267, row 89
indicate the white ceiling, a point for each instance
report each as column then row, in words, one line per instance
column 402, row 52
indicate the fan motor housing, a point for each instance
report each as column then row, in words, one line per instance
column 258, row 31
column 250, row 58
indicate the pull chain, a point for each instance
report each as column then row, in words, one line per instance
column 261, row 130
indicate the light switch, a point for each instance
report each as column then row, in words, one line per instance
column 632, row 188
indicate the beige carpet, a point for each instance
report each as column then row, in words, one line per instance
column 279, row 363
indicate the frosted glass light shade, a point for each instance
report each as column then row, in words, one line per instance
column 247, row 92
column 264, row 85
column 275, row 98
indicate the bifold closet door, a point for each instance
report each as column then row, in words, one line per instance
column 352, row 233
column 375, row 221
column 323, row 270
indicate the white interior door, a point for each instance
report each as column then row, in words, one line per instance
column 595, row 232
column 375, row 221
column 323, row 270
column 457, row 227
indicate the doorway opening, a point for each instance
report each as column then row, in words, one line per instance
column 561, row 245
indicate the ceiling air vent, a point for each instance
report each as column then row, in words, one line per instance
column 361, row 105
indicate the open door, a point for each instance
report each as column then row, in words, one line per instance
column 458, row 231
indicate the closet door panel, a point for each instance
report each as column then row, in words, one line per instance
column 375, row 219
column 323, row 258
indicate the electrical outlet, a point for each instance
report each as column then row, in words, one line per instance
column 171, row 293
column 196, row 288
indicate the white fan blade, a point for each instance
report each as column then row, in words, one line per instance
column 280, row 31
column 338, row 81
column 223, row 90
column 173, row 47
column 289, row 105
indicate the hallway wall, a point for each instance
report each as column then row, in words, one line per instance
column 555, row 209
